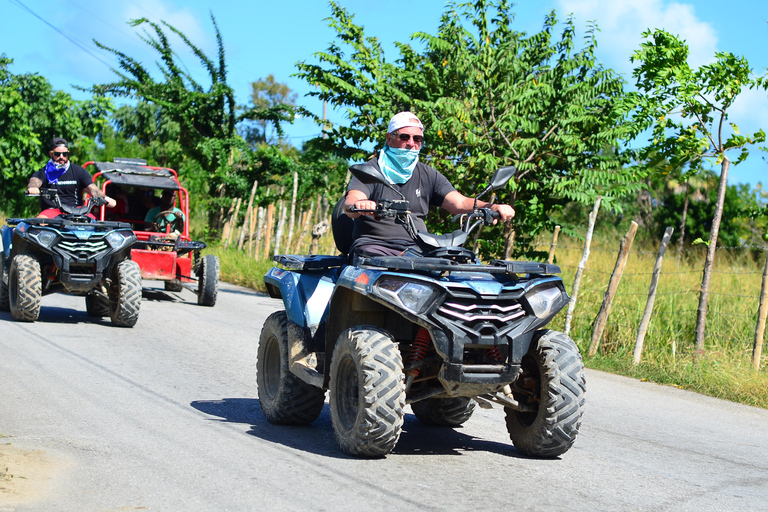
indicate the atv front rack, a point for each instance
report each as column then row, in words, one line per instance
column 420, row 264
column 58, row 222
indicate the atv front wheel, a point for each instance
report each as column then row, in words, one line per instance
column 284, row 398
column 25, row 288
column 208, row 280
column 367, row 392
column 96, row 305
column 444, row 412
column 5, row 303
column 553, row 383
column 125, row 294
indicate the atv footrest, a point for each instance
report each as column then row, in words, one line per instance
column 295, row 262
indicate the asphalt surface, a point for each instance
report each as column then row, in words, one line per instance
column 165, row 416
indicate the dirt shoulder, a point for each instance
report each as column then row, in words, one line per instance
column 25, row 475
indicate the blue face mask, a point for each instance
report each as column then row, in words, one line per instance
column 398, row 164
column 53, row 171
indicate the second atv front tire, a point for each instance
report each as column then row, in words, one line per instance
column 125, row 294
column 367, row 392
column 444, row 412
column 25, row 288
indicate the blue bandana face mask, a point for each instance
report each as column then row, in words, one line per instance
column 53, row 171
column 398, row 164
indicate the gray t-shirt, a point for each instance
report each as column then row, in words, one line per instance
column 426, row 187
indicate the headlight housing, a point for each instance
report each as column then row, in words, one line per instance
column 117, row 239
column 543, row 299
column 412, row 296
column 43, row 236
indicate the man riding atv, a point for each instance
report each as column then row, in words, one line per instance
column 68, row 179
column 421, row 185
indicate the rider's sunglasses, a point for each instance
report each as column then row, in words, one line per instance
column 61, row 153
column 405, row 137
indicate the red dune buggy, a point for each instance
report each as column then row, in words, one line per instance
column 164, row 250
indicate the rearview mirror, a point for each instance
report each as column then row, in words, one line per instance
column 502, row 176
column 367, row 174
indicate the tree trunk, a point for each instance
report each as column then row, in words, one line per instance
column 682, row 222
column 757, row 347
column 233, row 224
column 701, row 316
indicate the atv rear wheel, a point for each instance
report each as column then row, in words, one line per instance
column 208, row 280
column 173, row 286
column 367, row 392
column 25, row 288
column 125, row 294
column 5, row 303
column 444, row 412
column 553, row 382
column 96, row 305
column 284, row 398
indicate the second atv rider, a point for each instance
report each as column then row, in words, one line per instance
column 421, row 185
column 70, row 180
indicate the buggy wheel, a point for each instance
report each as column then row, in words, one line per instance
column 173, row 285
column 96, row 305
column 208, row 280
column 444, row 412
column 367, row 392
column 25, row 288
column 5, row 303
column 125, row 294
column 552, row 381
column 283, row 397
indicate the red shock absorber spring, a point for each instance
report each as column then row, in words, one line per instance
column 419, row 350
column 495, row 354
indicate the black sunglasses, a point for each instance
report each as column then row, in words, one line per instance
column 418, row 139
column 61, row 153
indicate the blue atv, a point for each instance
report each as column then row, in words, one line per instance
column 72, row 253
column 434, row 328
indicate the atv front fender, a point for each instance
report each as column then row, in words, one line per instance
column 305, row 294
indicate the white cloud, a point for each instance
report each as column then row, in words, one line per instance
column 621, row 24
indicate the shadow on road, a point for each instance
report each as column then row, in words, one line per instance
column 318, row 438
column 58, row 315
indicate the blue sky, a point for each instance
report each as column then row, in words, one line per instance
column 54, row 38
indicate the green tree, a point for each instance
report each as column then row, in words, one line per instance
column 31, row 114
column 489, row 96
column 272, row 102
column 688, row 111
column 205, row 116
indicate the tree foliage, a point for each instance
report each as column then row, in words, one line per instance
column 31, row 114
column 272, row 102
column 489, row 96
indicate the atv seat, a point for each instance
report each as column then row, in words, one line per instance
column 342, row 227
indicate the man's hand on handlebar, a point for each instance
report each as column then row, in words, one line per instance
column 364, row 207
column 32, row 191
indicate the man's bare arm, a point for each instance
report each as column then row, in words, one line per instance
column 33, row 186
column 95, row 192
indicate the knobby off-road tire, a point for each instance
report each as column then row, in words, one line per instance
column 208, row 280
column 554, row 366
column 125, row 294
column 367, row 392
column 173, row 286
column 96, row 305
column 444, row 412
column 5, row 302
column 25, row 288
column 284, row 398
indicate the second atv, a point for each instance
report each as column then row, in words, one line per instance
column 72, row 253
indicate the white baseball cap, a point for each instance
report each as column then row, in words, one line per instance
column 402, row 120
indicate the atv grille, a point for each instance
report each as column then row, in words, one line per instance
column 479, row 316
column 81, row 249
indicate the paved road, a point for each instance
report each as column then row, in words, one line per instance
column 164, row 416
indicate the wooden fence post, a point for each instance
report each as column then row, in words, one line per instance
column 259, row 232
column 757, row 348
column 613, row 284
column 280, row 227
column 248, row 214
column 551, row 257
column 582, row 264
column 268, row 230
column 293, row 211
column 227, row 227
column 651, row 298
column 233, row 223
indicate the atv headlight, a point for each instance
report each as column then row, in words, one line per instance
column 410, row 295
column 117, row 239
column 542, row 299
column 44, row 237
